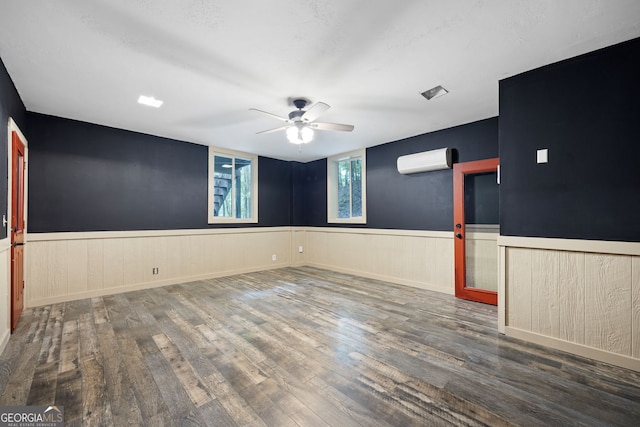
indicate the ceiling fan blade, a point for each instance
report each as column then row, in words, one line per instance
column 315, row 111
column 331, row 126
column 284, row 119
column 273, row 130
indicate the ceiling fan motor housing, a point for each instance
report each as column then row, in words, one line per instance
column 300, row 103
column 296, row 116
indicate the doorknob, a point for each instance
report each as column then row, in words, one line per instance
column 458, row 226
column 459, row 236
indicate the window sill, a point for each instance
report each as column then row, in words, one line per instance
column 233, row 221
column 361, row 220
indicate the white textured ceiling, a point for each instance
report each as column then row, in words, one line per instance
column 210, row 61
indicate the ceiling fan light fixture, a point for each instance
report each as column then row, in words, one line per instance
column 299, row 134
column 434, row 92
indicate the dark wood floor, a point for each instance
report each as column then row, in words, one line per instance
column 300, row 347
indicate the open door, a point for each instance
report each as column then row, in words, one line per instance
column 476, row 228
column 17, row 228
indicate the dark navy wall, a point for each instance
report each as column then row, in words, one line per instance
column 310, row 193
column 421, row 201
column 586, row 111
column 10, row 106
column 274, row 192
column 86, row 177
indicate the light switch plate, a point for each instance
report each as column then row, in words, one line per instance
column 543, row 155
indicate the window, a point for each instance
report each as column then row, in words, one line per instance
column 233, row 187
column 347, row 188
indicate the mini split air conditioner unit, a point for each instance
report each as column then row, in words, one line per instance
column 425, row 162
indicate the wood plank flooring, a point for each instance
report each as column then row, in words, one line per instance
column 300, row 347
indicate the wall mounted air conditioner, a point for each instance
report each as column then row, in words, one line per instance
column 426, row 161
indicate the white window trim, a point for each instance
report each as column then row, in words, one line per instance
column 213, row 151
column 332, row 187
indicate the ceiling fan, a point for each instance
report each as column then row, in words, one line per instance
column 300, row 124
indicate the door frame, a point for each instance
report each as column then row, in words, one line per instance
column 459, row 172
column 6, row 242
column 18, row 168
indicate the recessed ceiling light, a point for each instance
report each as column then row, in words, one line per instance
column 434, row 92
column 150, row 101
column 227, row 166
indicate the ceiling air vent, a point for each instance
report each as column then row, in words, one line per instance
column 434, row 92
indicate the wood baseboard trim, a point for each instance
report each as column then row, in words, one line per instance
column 578, row 349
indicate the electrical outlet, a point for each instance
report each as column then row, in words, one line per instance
column 273, row 257
column 154, row 270
column 300, row 249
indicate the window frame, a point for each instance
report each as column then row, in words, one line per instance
column 213, row 152
column 332, row 187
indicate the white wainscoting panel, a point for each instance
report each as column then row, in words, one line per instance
column 518, row 288
column 545, row 318
column 571, row 294
column 298, row 240
column 608, row 302
column 5, row 293
column 421, row 259
column 67, row 266
column 587, row 302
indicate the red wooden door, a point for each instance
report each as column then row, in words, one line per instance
column 17, row 229
column 463, row 289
